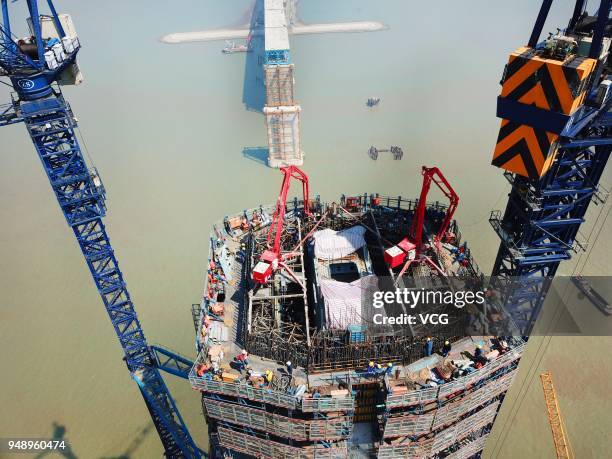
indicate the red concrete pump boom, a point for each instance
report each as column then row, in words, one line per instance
column 271, row 257
column 429, row 175
column 412, row 246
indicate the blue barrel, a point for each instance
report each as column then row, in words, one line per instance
column 357, row 333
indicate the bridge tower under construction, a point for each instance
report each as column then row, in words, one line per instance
column 281, row 110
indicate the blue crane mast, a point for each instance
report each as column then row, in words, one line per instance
column 35, row 65
column 554, row 143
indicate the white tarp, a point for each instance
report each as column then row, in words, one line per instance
column 343, row 301
column 331, row 245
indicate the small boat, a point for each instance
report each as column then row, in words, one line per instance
column 373, row 101
column 231, row 47
column 593, row 296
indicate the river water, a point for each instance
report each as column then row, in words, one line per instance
column 166, row 127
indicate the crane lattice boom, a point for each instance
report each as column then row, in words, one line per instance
column 35, row 64
column 562, row 445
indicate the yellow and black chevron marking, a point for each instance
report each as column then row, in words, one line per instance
column 546, row 83
column 524, row 150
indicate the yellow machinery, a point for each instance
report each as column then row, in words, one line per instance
column 562, row 445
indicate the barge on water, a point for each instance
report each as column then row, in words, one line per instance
column 290, row 368
column 593, row 295
column 231, row 48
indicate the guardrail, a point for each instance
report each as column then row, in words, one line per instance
column 418, row 424
column 282, row 426
column 242, row 390
column 260, row 447
column 443, row 439
column 468, row 450
column 323, row 404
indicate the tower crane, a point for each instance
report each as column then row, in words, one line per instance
column 411, row 249
column 560, row 439
column 554, row 142
column 272, row 258
column 35, row 65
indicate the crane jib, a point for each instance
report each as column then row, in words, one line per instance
column 34, row 65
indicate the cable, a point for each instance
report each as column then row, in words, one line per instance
column 547, row 339
column 80, row 134
column 601, row 227
column 502, row 194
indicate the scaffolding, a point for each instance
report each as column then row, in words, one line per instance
column 283, row 126
column 469, row 448
column 442, row 440
column 262, row 447
column 414, row 424
column 431, row 394
column 279, row 85
column 336, row 428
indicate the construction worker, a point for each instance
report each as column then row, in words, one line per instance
column 479, row 357
column 446, row 348
column 242, row 359
column 269, row 376
column 389, row 369
column 371, row 370
column 428, row 346
column 379, row 369
column 289, row 368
